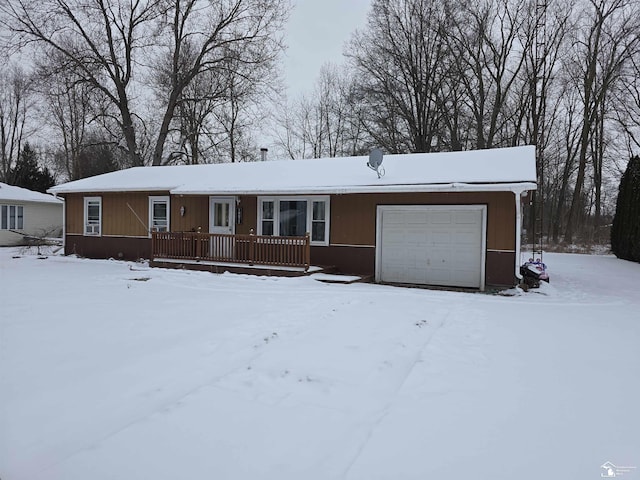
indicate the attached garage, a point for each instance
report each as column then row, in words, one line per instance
column 441, row 245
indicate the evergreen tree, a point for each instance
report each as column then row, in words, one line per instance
column 27, row 173
column 625, row 233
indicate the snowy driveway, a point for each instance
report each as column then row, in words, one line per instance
column 110, row 370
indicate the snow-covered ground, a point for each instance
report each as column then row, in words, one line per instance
column 112, row 370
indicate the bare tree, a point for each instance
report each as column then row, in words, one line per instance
column 325, row 123
column 488, row 41
column 602, row 46
column 627, row 105
column 212, row 37
column 14, row 106
column 98, row 40
column 110, row 45
column 398, row 59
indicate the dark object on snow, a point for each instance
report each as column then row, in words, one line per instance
column 625, row 232
column 533, row 272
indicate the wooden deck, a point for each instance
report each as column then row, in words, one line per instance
column 250, row 250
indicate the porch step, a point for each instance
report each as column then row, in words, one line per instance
column 336, row 278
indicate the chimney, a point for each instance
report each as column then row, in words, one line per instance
column 263, row 154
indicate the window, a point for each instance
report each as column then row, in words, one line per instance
column 294, row 217
column 12, row 217
column 159, row 214
column 92, row 215
column 268, row 217
column 318, row 222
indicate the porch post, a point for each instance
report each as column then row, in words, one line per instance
column 252, row 246
column 307, row 251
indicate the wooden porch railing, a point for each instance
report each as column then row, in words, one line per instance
column 227, row 248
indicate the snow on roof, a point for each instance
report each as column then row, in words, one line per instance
column 496, row 169
column 18, row 194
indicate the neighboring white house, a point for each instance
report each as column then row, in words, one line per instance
column 25, row 213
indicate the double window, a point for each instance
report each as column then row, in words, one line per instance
column 159, row 214
column 294, row 217
column 12, row 217
column 92, row 215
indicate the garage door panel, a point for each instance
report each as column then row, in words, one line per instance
column 462, row 217
column 466, row 237
column 415, row 218
column 443, row 217
column 431, row 245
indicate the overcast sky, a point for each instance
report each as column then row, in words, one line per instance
column 316, row 34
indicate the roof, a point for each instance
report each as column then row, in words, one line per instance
column 18, row 194
column 497, row 169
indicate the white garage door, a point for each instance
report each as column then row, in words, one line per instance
column 431, row 245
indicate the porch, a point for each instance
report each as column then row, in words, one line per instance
column 208, row 251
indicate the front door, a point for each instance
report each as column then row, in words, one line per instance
column 221, row 221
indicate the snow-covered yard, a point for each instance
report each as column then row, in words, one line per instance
column 112, row 370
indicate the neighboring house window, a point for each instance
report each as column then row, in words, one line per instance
column 159, row 214
column 295, row 216
column 12, row 217
column 92, row 215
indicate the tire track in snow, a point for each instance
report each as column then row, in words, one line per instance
column 403, row 380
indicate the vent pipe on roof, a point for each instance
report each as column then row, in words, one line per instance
column 263, row 154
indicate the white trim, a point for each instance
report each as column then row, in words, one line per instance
column 109, row 236
column 159, row 199
column 309, row 227
column 64, row 223
column 16, row 206
column 85, row 219
column 126, row 236
column 515, row 187
column 232, row 211
column 518, row 232
column 388, row 208
column 350, row 245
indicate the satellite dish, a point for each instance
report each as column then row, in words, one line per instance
column 375, row 161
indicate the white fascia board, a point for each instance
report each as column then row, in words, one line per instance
column 63, row 191
column 518, row 188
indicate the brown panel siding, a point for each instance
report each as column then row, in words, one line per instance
column 500, row 268
column 353, row 217
column 349, row 260
column 196, row 214
column 118, row 216
column 74, row 205
column 122, row 248
column 249, row 205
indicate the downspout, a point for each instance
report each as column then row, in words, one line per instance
column 64, row 223
column 518, row 228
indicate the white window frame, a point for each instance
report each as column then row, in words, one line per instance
column 7, row 208
column 309, row 199
column 159, row 199
column 85, row 230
